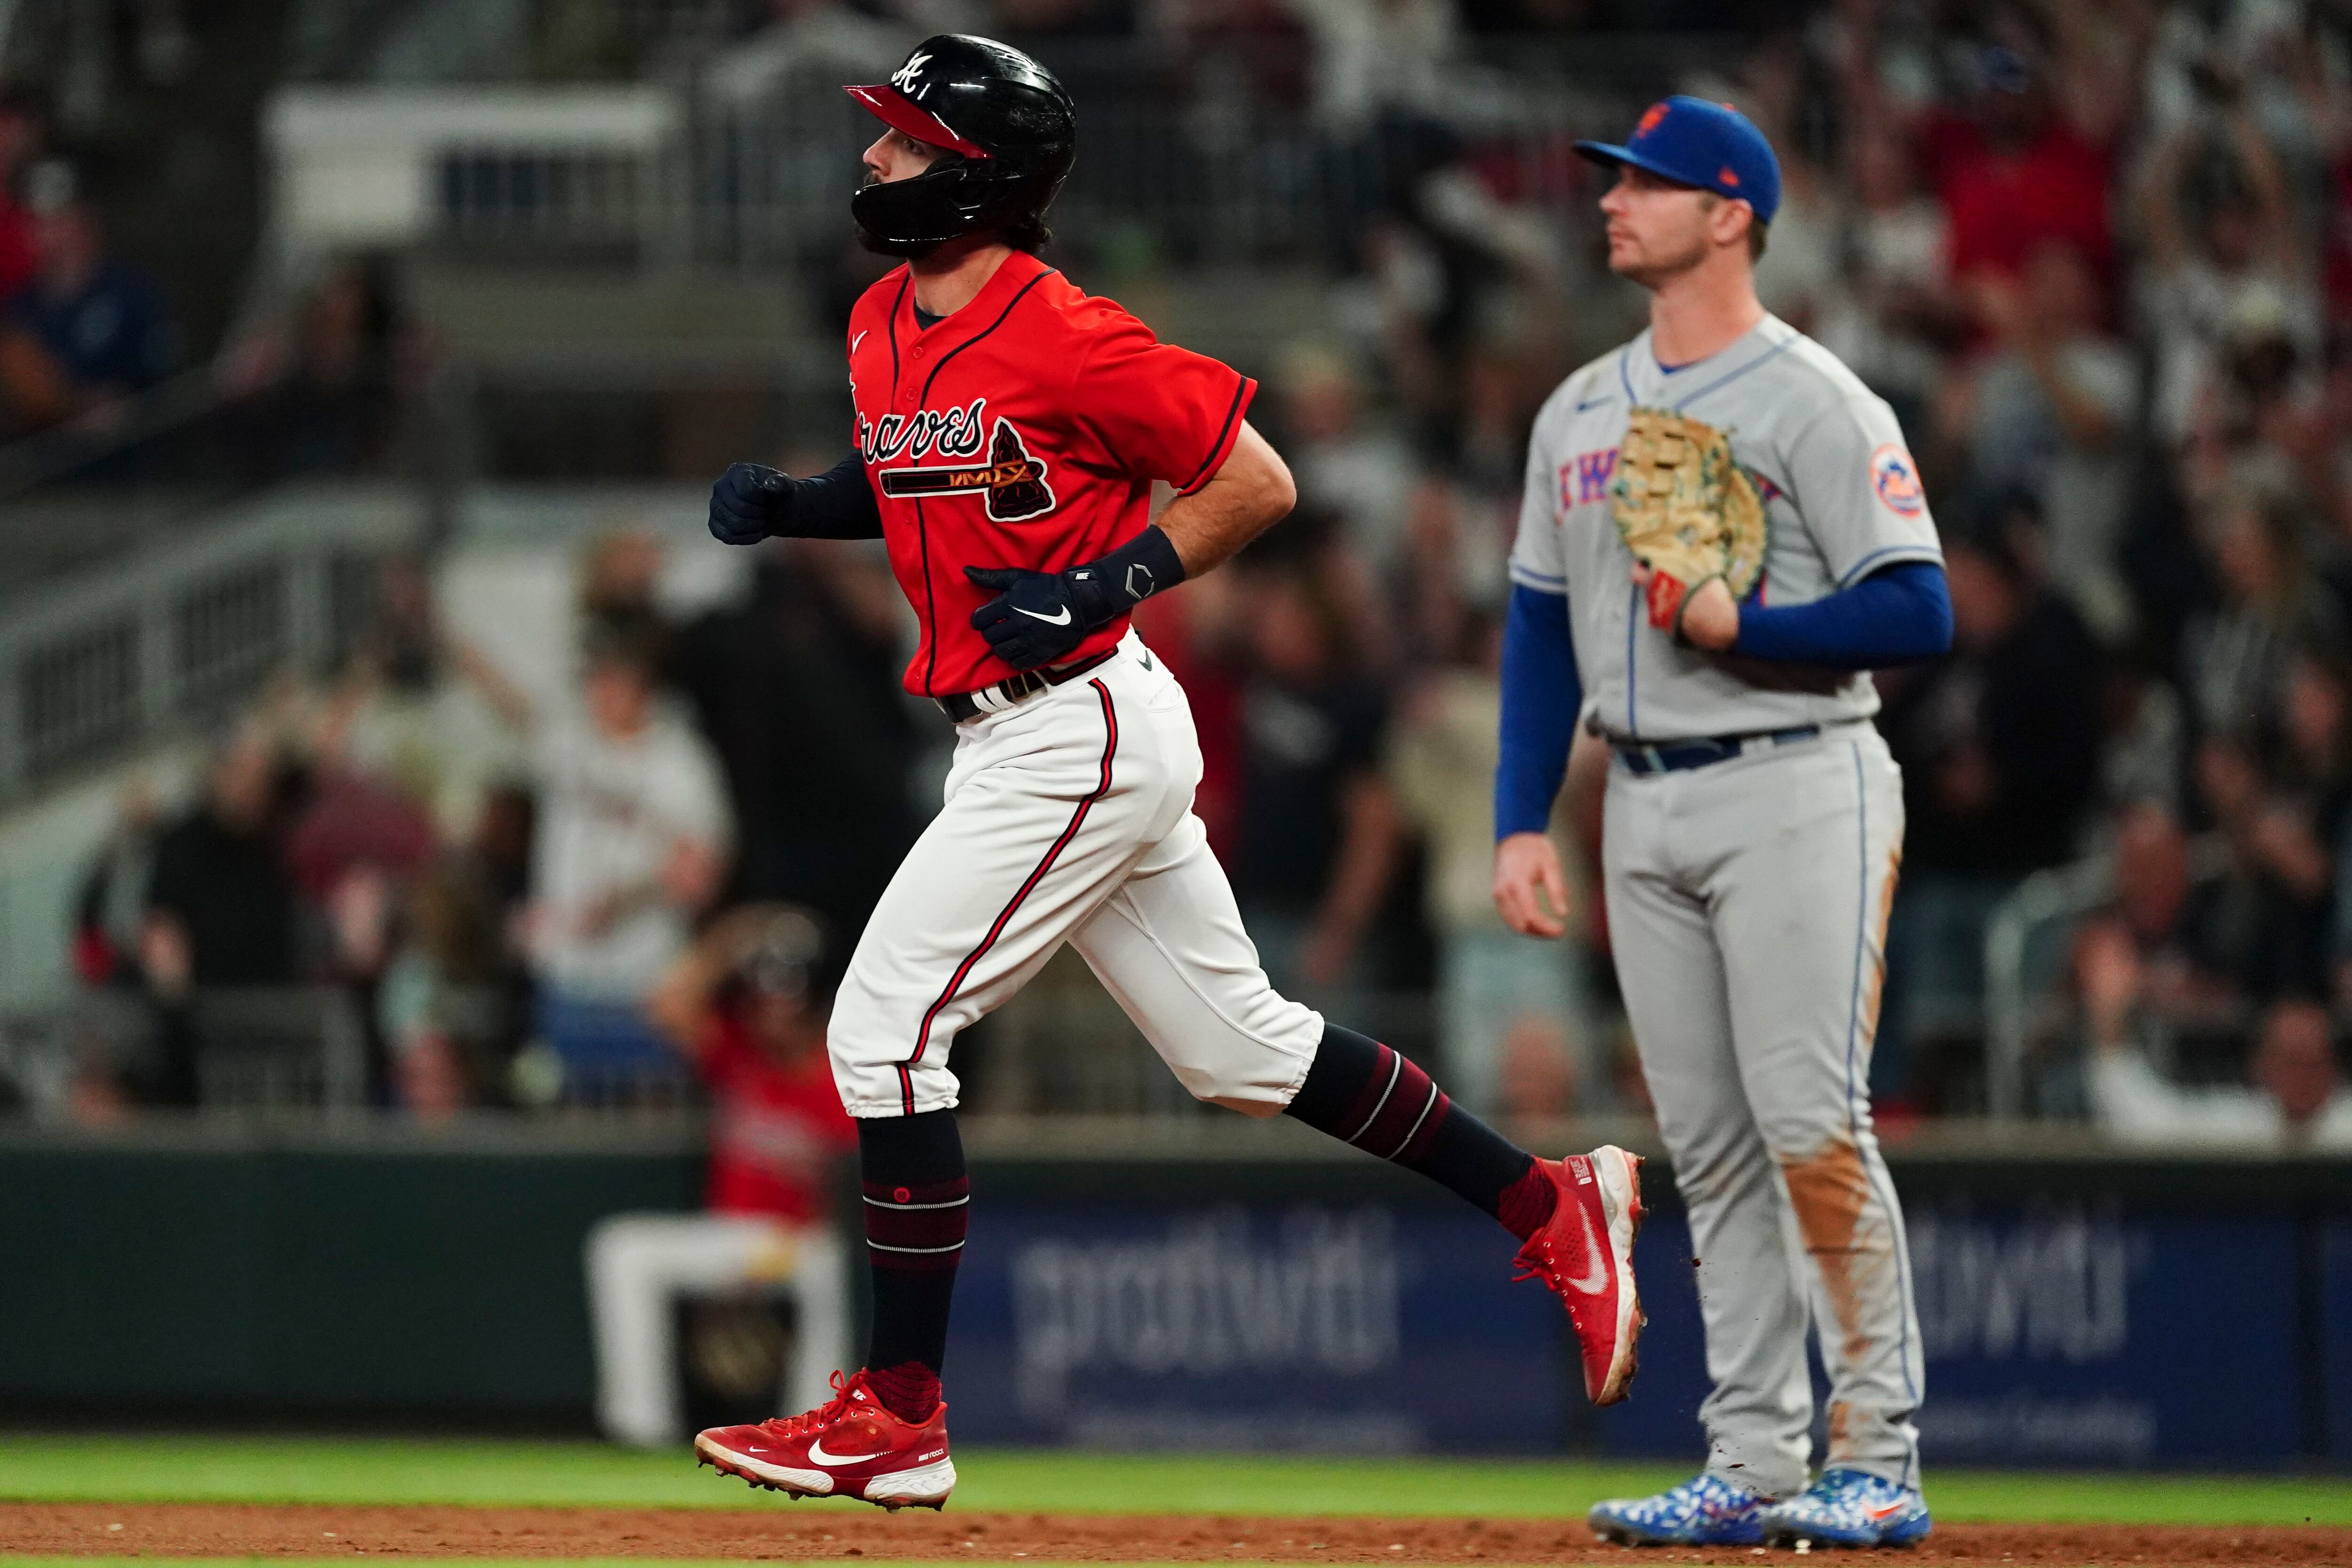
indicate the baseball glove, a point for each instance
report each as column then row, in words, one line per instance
column 1685, row 510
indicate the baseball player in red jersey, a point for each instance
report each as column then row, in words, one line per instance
column 1010, row 430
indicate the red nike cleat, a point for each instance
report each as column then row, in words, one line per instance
column 850, row 1448
column 1585, row 1254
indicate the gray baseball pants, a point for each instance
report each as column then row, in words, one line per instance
column 1747, row 904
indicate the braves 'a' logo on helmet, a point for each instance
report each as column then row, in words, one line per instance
column 1012, row 482
column 903, row 79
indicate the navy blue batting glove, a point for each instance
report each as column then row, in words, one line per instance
column 750, row 502
column 1041, row 617
column 1037, row 617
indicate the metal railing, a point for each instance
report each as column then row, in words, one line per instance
column 1058, row 1051
column 1198, row 184
column 262, row 1048
column 1188, row 158
column 180, row 635
column 2027, row 957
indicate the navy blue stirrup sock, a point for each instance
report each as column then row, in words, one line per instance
column 1373, row 1096
column 918, row 1201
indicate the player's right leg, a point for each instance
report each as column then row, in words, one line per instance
column 1759, row 1414
column 1169, row 947
column 1817, row 827
column 1048, row 806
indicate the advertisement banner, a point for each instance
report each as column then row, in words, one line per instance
column 1337, row 1327
column 2067, row 1333
column 2334, row 1336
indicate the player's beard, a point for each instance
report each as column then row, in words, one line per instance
column 1662, row 264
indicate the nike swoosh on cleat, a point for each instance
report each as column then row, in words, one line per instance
column 818, row 1456
column 1595, row 1279
column 1888, row 1511
column 1061, row 619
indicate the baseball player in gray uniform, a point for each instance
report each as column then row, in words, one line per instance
column 1722, row 534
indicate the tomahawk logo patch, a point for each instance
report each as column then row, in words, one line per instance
column 1012, row 482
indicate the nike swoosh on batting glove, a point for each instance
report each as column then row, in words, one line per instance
column 1034, row 620
column 749, row 503
column 1041, row 617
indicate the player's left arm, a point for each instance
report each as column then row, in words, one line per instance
column 1157, row 411
column 1250, row 492
column 1857, row 496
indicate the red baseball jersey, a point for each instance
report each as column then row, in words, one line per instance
column 1025, row 430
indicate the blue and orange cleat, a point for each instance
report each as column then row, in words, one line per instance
column 1850, row 1507
column 1705, row 1510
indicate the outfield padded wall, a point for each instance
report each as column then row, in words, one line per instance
column 309, row 1276
column 2077, row 1308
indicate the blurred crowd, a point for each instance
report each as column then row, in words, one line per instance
column 500, row 901
column 2098, row 256
column 308, row 383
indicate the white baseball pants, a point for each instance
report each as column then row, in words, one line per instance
column 1069, row 818
column 1748, row 906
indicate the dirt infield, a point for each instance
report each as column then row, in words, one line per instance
column 834, row 1529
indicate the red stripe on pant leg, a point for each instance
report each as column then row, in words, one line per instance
column 1004, row 917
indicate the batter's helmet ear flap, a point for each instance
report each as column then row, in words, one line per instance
column 1008, row 133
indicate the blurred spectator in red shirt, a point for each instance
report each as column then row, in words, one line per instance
column 2016, row 175
column 23, row 130
column 747, row 1003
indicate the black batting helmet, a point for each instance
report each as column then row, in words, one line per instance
column 1006, row 132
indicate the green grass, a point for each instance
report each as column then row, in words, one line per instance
column 105, row 1469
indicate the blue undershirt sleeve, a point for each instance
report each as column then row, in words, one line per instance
column 837, row 504
column 1899, row 614
column 1541, row 697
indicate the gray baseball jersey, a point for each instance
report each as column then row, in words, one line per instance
column 1841, row 498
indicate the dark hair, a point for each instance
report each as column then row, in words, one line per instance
column 1029, row 233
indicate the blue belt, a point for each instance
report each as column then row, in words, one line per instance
column 1681, row 754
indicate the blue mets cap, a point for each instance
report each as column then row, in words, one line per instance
column 1712, row 146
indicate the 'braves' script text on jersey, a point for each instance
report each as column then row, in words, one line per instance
column 1025, row 430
